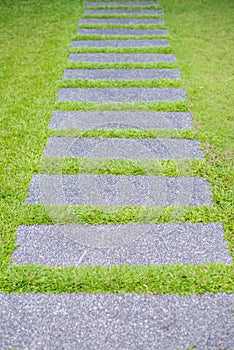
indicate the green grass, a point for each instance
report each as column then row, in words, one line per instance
column 35, row 46
column 104, row 83
column 163, row 49
column 176, row 106
column 126, row 133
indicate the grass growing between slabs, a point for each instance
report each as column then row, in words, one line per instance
column 32, row 63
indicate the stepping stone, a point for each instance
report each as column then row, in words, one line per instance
column 121, row 74
column 111, row 321
column 121, row 244
column 118, row 57
column 114, row 190
column 123, row 12
column 121, row 21
column 120, row 148
column 118, row 3
column 118, row 31
column 120, row 43
column 120, row 94
column 120, row 120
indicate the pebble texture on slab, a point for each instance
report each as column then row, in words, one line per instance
column 120, row 148
column 77, row 245
column 121, row 21
column 120, row 43
column 120, row 120
column 121, row 190
column 120, row 3
column 120, row 94
column 106, row 321
column 118, row 57
column 119, row 31
column 123, row 12
column 121, row 74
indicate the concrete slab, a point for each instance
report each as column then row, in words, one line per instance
column 119, row 3
column 108, row 245
column 111, row 190
column 121, row 20
column 120, row 120
column 111, row 321
column 119, row 31
column 120, row 43
column 120, row 94
column 118, row 57
column 121, row 74
column 123, row 12
column 120, row 148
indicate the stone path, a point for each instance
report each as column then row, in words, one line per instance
column 129, row 321
column 118, row 31
column 119, row 43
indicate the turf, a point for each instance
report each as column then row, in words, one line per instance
column 35, row 47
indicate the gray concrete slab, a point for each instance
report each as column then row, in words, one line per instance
column 120, row 148
column 111, row 190
column 120, row 3
column 121, row 74
column 66, row 245
column 118, row 57
column 120, row 94
column 120, row 43
column 119, row 31
column 123, row 12
column 120, row 120
column 121, row 21
column 109, row 321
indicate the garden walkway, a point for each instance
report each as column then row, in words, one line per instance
column 127, row 321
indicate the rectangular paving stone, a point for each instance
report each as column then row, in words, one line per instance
column 120, row 148
column 121, row 74
column 118, row 190
column 119, row 3
column 114, row 321
column 120, row 120
column 121, row 21
column 123, row 12
column 120, row 43
column 118, row 57
column 121, row 244
column 120, row 94
column 119, row 31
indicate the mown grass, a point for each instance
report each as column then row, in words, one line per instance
column 36, row 40
column 104, row 83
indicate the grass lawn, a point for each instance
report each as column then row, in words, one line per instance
column 35, row 44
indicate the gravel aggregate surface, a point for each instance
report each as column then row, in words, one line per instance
column 120, row 43
column 118, row 57
column 123, row 12
column 67, row 245
column 121, row 74
column 120, row 120
column 120, row 94
column 119, row 3
column 120, row 148
column 121, row 21
column 111, row 190
column 107, row 321
column 119, row 31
